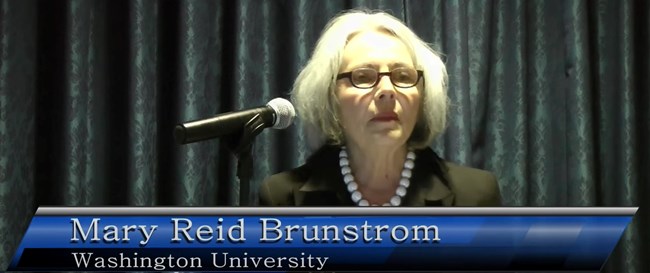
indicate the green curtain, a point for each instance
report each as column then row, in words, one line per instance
column 551, row 96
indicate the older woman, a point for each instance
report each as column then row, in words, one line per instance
column 373, row 98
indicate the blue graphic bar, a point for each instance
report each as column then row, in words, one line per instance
column 320, row 239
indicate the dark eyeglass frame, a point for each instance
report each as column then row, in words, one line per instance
column 380, row 75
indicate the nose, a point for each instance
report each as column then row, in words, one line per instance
column 386, row 90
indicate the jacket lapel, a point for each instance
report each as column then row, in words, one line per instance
column 429, row 193
column 325, row 186
column 429, row 183
column 322, row 191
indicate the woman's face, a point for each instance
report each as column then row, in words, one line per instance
column 384, row 114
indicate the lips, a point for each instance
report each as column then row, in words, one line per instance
column 390, row 116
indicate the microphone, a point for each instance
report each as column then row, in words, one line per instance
column 277, row 113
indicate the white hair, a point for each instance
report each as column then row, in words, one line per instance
column 314, row 95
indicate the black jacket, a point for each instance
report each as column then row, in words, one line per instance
column 434, row 182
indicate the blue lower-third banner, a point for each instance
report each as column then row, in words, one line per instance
column 320, row 239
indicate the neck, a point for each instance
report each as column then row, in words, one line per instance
column 377, row 168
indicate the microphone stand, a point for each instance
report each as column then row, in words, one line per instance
column 241, row 145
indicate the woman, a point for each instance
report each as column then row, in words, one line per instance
column 373, row 98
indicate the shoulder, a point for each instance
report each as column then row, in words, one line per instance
column 473, row 187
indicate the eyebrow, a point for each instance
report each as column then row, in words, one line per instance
column 390, row 65
column 398, row 64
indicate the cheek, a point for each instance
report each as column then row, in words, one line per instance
column 411, row 103
column 346, row 103
column 411, row 109
column 417, row 104
column 351, row 103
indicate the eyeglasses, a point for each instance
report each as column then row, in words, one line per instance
column 365, row 78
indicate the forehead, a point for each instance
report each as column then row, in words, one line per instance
column 375, row 48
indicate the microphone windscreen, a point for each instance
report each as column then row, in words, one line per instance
column 284, row 113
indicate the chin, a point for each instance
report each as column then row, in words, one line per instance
column 392, row 138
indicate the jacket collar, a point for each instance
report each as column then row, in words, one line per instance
column 325, row 187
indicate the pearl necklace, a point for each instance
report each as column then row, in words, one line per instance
column 353, row 187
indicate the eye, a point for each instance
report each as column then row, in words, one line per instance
column 405, row 76
column 364, row 76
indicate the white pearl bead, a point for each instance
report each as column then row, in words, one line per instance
column 404, row 182
column 401, row 191
column 408, row 164
column 410, row 155
column 356, row 196
column 395, row 201
column 344, row 162
column 348, row 178
column 352, row 186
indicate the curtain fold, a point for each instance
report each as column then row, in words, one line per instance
column 18, row 100
column 551, row 96
column 142, row 93
column 582, row 157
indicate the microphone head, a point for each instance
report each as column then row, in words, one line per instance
column 284, row 113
